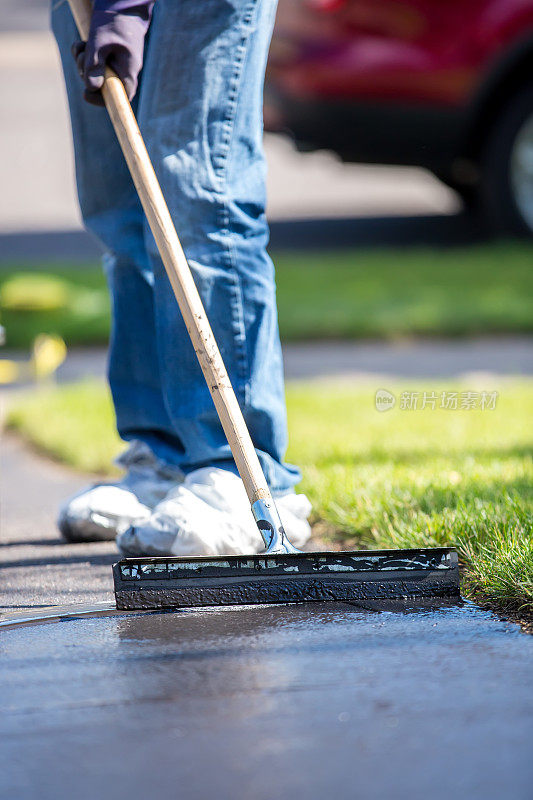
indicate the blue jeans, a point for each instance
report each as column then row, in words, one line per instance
column 199, row 107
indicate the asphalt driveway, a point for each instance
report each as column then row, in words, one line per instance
column 302, row 702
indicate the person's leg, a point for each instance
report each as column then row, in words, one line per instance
column 111, row 210
column 206, row 144
column 200, row 112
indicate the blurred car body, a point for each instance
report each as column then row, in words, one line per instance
column 443, row 85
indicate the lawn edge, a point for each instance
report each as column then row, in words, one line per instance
column 514, row 611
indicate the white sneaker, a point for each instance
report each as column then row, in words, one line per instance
column 209, row 514
column 102, row 511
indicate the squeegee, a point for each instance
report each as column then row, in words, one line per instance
column 281, row 574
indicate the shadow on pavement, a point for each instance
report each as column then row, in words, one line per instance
column 436, row 230
column 33, row 542
column 83, row 558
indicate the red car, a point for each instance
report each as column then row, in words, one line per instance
column 443, row 84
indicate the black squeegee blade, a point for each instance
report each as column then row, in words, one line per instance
column 144, row 583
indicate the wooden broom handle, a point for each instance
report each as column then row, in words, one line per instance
column 178, row 271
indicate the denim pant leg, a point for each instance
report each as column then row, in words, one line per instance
column 111, row 210
column 200, row 111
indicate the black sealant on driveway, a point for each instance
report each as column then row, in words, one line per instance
column 301, row 701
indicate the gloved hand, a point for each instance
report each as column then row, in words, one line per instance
column 116, row 38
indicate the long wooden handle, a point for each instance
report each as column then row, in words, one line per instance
column 179, row 273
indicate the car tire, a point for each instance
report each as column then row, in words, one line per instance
column 506, row 185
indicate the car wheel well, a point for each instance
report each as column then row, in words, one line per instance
column 505, row 82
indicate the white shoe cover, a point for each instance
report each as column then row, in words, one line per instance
column 101, row 511
column 209, row 514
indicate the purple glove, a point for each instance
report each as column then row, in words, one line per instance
column 116, row 38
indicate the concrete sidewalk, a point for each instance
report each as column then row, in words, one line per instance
column 363, row 360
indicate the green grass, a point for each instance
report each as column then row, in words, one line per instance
column 394, row 293
column 74, row 424
column 72, row 302
column 346, row 294
column 394, row 479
